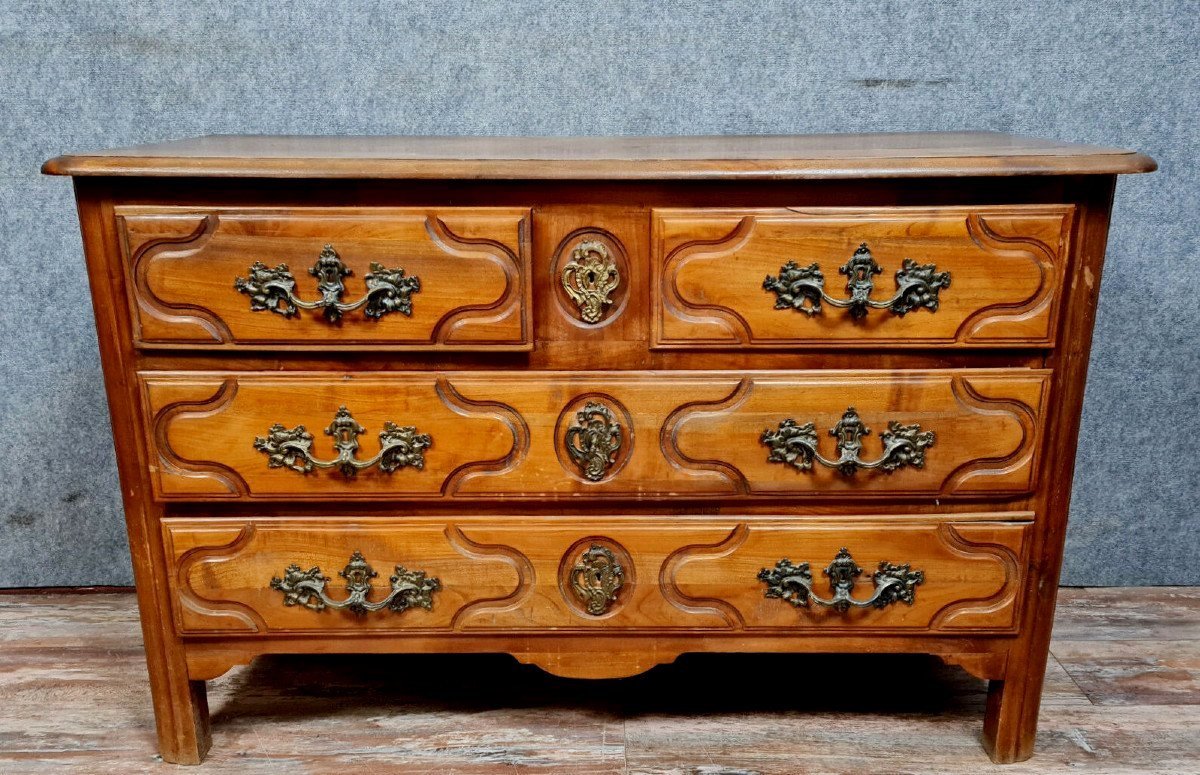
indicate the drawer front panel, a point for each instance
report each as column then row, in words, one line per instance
column 217, row 278
column 978, row 277
column 527, row 574
column 339, row 437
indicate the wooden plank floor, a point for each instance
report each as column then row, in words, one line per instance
column 1122, row 696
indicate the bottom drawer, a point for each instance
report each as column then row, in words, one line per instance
column 960, row 573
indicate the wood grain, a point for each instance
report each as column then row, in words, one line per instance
column 1005, row 266
column 690, row 574
column 472, row 263
column 185, row 416
column 76, row 699
column 918, row 154
column 502, row 434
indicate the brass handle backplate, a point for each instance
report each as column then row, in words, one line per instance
column 796, row 445
column 793, row 584
column 596, row 578
column 410, row 588
column 593, row 440
column 399, row 446
column 589, row 278
column 802, row 288
column 388, row 290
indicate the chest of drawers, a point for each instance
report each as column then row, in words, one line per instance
column 596, row 403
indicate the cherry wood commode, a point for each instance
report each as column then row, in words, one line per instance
column 596, row 402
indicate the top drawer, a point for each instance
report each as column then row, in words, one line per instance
column 865, row 277
column 453, row 278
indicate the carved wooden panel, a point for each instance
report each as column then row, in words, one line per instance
column 222, row 571
column 972, row 575
column 1005, row 267
column 686, row 573
column 508, row 435
column 472, row 265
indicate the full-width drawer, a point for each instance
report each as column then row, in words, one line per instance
column 344, row 278
column 639, row 435
column 523, row 574
column 894, row 276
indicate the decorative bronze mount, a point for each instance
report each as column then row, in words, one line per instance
column 307, row 588
column 796, row 445
column 388, row 290
column 590, row 278
column 596, row 578
column 398, row 446
column 793, row 583
column 593, row 440
column 803, row 288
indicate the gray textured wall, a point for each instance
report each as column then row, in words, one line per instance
column 77, row 75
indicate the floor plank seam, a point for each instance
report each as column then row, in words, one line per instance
column 1074, row 682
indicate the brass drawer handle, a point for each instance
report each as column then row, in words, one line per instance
column 399, row 446
column 802, row 288
column 307, row 588
column 793, row 583
column 388, row 290
column 796, row 445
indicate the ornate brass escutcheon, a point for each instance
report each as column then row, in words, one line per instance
column 399, row 446
column 410, row 588
column 388, row 290
column 593, row 440
column 796, row 445
column 596, row 578
column 590, row 278
column 793, row 583
column 802, row 288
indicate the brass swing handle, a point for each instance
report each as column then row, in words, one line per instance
column 307, row 588
column 796, row 445
column 388, row 290
column 793, row 584
column 399, row 446
column 802, row 288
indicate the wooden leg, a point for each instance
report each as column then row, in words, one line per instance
column 181, row 714
column 1010, row 723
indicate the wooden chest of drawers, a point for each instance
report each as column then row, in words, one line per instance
column 596, row 403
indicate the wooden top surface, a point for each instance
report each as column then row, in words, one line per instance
column 918, row 154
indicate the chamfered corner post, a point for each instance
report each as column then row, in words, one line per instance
column 180, row 703
column 1010, row 721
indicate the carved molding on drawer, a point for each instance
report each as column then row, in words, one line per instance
column 521, row 565
column 225, row 481
column 670, row 449
column 969, row 393
column 703, row 605
column 184, row 264
column 203, row 607
column 221, row 584
column 733, row 325
column 1039, row 303
column 497, row 435
column 509, row 304
column 972, row 576
column 185, row 244
column 965, row 614
column 988, row 426
column 480, row 438
column 497, row 410
column 1007, row 262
